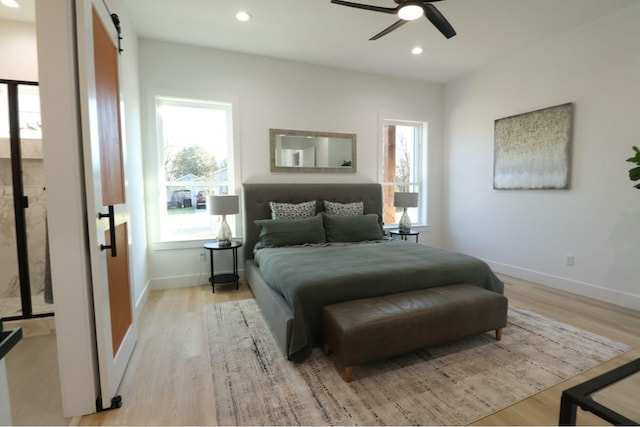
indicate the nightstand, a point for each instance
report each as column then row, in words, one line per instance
column 226, row 277
column 404, row 234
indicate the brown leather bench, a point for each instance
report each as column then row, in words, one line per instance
column 370, row 329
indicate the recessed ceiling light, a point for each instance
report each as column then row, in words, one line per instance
column 410, row 12
column 417, row 50
column 243, row 16
column 10, row 3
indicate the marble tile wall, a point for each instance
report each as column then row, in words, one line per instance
column 33, row 184
column 9, row 282
column 36, row 215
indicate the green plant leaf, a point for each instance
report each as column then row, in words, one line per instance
column 634, row 174
column 635, row 159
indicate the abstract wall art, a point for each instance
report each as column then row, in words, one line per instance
column 533, row 150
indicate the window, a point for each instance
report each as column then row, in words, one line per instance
column 195, row 142
column 404, row 167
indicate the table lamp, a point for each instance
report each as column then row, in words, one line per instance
column 405, row 200
column 223, row 205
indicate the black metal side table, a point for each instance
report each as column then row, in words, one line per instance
column 226, row 277
column 594, row 396
column 404, row 234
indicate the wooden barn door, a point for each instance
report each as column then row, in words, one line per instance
column 107, row 205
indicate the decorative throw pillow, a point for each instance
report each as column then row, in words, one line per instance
column 292, row 210
column 290, row 232
column 343, row 209
column 352, row 228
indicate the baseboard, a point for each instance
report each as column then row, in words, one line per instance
column 142, row 301
column 75, row 421
column 576, row 287
column 184, row 281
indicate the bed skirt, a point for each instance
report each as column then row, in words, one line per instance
column 274, row 308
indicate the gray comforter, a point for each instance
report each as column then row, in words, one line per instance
column 311, row 277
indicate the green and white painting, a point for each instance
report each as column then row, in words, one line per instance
column 532, row 150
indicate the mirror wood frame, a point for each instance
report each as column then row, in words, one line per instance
column 273, row 133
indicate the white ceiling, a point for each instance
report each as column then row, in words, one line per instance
column 318, row 32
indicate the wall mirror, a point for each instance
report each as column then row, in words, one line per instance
column 309, row 151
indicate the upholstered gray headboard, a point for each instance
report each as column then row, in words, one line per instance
column 256, row 198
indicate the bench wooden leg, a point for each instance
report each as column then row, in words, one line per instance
column 348, row 374
column 327, row 349
column 499, row 334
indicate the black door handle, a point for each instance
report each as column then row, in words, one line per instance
column 112, row 231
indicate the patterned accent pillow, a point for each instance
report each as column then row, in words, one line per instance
column 292, row 210
column 343, row 209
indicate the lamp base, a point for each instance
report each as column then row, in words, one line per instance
column 224, row 233
column 405, row 222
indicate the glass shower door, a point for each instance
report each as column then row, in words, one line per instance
column 10, row 302
column 25, row 285
column 34, row 193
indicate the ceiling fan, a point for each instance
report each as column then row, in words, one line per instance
column 407, row 10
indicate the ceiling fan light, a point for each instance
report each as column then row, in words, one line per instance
column 410, row 12
column 243, row 16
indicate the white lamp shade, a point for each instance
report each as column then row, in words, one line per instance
column 222, row 205
column 405, row 200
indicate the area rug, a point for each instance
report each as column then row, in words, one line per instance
column 455, row 384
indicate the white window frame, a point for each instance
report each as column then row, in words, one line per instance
column 154, row 169
column 419, row 184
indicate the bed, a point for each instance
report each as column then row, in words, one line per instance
column 293, row 283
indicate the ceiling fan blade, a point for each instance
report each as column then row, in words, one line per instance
column 390, row 28
column 366, row 6
column 438, row 20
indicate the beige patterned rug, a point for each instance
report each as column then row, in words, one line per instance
column 454, row 384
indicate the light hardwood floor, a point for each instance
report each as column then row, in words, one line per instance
column 168, row 378
column 34, row 381
column 608, row 320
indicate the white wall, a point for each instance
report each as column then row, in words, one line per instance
column 528, row 234
column 132, row 157
column 19, row 57
column 272, row 93
column 66, row 208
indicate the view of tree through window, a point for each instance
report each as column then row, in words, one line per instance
column 402, row 166
column 195, row 137
column 190, row 160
